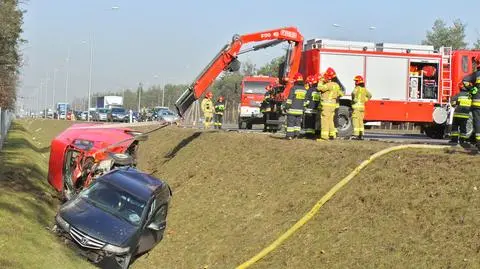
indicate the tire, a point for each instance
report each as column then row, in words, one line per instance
column 435, row 131
column 242, row 124
column 343, row 121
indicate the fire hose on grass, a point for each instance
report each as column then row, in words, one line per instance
column 327, row 197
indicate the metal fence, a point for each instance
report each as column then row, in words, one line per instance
column 6, row 117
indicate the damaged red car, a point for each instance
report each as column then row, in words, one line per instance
column 84, row 152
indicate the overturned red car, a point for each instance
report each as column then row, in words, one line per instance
column 84, row 152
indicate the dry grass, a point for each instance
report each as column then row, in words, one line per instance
column 234, row 193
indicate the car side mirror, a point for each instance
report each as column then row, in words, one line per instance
column 153, row 226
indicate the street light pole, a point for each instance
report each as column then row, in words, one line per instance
column 90, row 78
column 67, row 70
column 46, row 95
column 54, row 89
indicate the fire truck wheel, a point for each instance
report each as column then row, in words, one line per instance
column 343, row 121
column 435, row 131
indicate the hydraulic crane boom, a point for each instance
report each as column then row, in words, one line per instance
column 226, row 60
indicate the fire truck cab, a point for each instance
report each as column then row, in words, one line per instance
column 253, row 92
column 409, row 83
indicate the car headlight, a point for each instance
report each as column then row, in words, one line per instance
column 115, row 249
column 62, row 223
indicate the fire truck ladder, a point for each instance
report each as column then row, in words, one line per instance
column 446, row 68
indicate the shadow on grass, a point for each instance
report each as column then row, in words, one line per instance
column 181, row 145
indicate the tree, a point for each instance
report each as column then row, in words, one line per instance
column 442, row 35
column 11, row 20
column 477, row 44
column 271, row 69
column 249, row 69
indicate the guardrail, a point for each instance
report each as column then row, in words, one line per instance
column 6, row 117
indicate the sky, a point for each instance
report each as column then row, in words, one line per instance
column 159, row 42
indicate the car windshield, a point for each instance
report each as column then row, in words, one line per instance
column 166, row 112
column 103, row 110
column 118, row 110
column 255, row 87
column 115, row 201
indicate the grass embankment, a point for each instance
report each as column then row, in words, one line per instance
column 27, row 202
column 236, row 193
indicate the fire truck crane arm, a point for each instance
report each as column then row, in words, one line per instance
column 226, row 60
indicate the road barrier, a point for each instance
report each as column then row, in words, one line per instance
column 327, row 197
column 6, row 117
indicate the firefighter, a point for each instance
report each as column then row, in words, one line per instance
column 295, row 105
column 472, row 84
column 219, row 109
column 207, row 109
column 462, row 103
column 311, row 107
column 267, row 106
column 330, row 92
column 360, row 96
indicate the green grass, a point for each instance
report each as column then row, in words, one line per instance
column 27, row 202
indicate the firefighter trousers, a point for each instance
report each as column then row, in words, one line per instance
column 476, row 124
column 218, row 120
column 459, row 129
column 309, row 122
column 327, row 123
column 207, row 122
column 293, row 125
column 357, row 120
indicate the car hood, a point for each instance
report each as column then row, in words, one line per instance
column 97, row 223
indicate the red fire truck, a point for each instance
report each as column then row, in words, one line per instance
column 253, row 92
column 409, row 83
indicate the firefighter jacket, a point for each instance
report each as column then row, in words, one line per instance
column 219, row 108
column 462, row 102
column 296, row 99
column 267, row 103
column 207, row 105
column 313, row 100
column 360, row 96
column 476, row 91
column 329, row 92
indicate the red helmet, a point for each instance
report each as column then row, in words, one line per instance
column 298, row 77
column 329, row 74
column 310, row 79
column 358, row 80
column 209, row 95
column 220, row 98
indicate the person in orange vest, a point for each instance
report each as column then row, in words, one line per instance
column 295, row 105
column 330, row 91
column 360, row 96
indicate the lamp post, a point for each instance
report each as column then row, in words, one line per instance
column 55, row 70
column 67, row 74
column 89, row 75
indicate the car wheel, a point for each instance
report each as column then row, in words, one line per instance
column 343, row 122
column 124, row 261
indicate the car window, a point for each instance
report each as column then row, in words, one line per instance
column 118, row 110
column 115, row 201
column 102, row 110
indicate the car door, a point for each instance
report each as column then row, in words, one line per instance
column 153, row 230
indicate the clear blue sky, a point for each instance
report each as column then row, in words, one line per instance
column 171, row 41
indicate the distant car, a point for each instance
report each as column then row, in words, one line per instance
column 117, row 219
column 102, row 114
column 167, row 115
column 84, row 115
column 118, row 114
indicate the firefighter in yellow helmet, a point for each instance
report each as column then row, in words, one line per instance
column 330, row 91
column 360, row 96
column 207, row 109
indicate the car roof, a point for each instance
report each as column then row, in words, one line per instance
column 135, row 182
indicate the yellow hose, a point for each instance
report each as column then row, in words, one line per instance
column 327, row 197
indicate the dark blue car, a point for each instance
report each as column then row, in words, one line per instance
column 118, row 218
